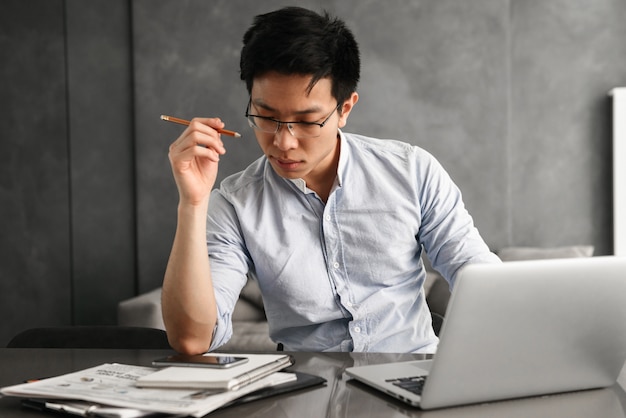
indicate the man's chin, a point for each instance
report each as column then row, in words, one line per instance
column 289, row 175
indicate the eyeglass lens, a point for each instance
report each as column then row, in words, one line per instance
column 299, row 130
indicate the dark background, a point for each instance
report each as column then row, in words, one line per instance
column 510, row 95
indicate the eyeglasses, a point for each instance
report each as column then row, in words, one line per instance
column 300, row 130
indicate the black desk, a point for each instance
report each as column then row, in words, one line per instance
column 339, row 398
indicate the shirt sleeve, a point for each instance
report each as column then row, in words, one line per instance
column 447, row 231
column 229, row 262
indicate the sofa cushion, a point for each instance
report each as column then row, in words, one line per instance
column 141, row 311
column 247, row 311
column 538, row 253
column 250, row 336
column 252, row 293
column 437, row 292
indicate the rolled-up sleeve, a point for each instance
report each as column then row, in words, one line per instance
column 229, row 263
column 448, row 233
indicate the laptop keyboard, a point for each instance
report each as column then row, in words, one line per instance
column 412, row 384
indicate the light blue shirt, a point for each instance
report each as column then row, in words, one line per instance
column 346, row 275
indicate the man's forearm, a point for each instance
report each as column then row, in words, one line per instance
column 188, row 300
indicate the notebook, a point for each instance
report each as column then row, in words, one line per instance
column 519, row 329
column 257, row 367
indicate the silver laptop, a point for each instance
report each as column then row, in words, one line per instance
column 519, row 329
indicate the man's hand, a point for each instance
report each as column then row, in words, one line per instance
column 194, row 158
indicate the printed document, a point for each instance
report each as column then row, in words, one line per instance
column 113, row 384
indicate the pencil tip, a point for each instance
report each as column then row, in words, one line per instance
column 163, row 117
column 237, row 135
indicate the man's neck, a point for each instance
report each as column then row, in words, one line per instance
column 323, row 182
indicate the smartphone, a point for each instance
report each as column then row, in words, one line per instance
column 219, row 361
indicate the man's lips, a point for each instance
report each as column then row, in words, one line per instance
column 287, row 164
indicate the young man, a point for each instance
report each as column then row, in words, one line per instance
column 331, row 224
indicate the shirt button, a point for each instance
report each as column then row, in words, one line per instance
column 327, row 217
column 336, row 265
column 349, row 304
column 357, row 329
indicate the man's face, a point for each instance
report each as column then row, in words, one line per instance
column 286, row 98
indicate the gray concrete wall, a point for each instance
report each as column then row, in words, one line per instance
column 510, row 95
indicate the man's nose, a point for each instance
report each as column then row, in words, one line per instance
column 284, row 140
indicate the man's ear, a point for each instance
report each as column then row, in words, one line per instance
column 346, row 108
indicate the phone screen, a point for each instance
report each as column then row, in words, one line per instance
column 200, row 360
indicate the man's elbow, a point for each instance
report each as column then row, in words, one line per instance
column 189, row 345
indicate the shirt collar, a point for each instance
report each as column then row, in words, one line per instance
column 343, row 157
column 300, row 184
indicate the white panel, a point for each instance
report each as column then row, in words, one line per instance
column 619, row 171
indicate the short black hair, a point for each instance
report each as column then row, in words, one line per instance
column 294, row 40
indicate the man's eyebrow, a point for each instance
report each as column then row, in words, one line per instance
column 265, row 106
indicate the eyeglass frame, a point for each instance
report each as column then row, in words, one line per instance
column 289, row 124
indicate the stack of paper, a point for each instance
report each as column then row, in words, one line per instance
column 116, row 385
column 257, row 367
